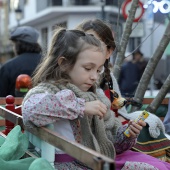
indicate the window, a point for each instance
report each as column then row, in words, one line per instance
column 81, row 2
column 43, row 4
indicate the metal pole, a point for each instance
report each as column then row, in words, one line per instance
column 18, row 23
column 151, row 51
column 103, row 11
column 150, row 25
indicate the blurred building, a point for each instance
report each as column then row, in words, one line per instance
column 45, row 15
column 5, row 46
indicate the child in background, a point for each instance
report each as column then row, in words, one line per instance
column 108, row 82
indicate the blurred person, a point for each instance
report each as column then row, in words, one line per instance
column 140, row 61
column 128, row 57
column 0, row 61
column 27, row 56
column 129, row 78
column 131, row 73
column 158, row 83
column 167, row 120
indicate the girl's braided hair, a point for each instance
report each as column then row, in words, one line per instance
column 106, row 75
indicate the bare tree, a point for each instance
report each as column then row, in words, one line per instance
column 150, row 68
column 124, row 40
column 157, row 101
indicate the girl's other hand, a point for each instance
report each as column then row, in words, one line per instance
column 135, row 128
column 95, row 108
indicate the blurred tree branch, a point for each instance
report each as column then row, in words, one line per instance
column 149, row 70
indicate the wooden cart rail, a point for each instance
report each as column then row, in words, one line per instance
column 85, row 155
column 18, row 100
column 149, row 100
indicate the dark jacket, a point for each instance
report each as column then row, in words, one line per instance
column 129, row 78
column 22, row 64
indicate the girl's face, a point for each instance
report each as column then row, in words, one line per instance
column 107, row 51
column 87, row 68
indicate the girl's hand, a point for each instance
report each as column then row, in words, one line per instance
column 135, row 128
column 95, row 108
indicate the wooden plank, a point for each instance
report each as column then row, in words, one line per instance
column 85, row 155
column 149, row 100
column 11, row 116
column 18, row 100
column 88, row 156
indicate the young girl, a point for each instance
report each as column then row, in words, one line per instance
column 64, row 94
column 103, row 32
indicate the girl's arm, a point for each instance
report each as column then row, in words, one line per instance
column 115, row 132
column 123, row 143
column 44, row 108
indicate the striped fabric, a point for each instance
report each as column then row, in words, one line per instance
column 159, row 148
